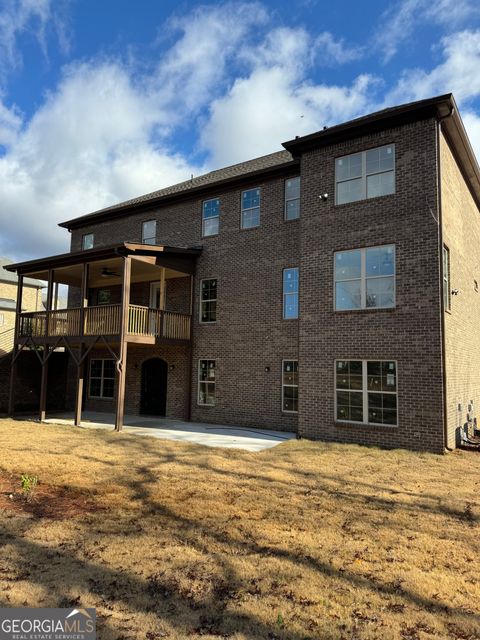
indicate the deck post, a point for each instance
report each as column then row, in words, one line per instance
column 190, row 351
column 43, row 385
column 122, row 361
column 13, row 368
column 46, row 350
column 81, row 366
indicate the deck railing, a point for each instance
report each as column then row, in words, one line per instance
column 105, row 320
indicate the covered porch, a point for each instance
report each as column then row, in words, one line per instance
column 117, row 296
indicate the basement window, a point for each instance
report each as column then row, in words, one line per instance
column 102, row 378
column 290, row 386
column 206, row 382
column 366, row 391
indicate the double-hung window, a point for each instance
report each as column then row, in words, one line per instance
column 290, row 293
column 250, row 209
column 292, row 198
column 206, row 382
column 290, row 386
column 446, row 279
column 365, row 278
column 102, row 378
column 367, row 174
column 210, row 217
column 149, row 232
column 208, row 300
column 366, row 391
column 87, row 241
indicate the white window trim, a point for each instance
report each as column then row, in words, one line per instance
column 200, row 303
column 289, row 385
column 102, row 378
column 242, row 210
column 210, row 235
column 365, row 392
column 285, row 295
column 364, row 175
column 363, row 279
column 87, row 235
column 206, row 404
column 287, row 200
column 154, row 238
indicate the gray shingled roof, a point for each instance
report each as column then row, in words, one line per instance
column 8, row 276
column 236, row 170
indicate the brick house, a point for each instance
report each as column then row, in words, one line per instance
column 32, row 301
column 331, row 289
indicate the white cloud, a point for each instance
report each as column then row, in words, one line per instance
column 193, row 70
column 471, row 120
column 88, row 146
column 400, row 20
column 330, row 51
column 458, row 73
column 32, row 17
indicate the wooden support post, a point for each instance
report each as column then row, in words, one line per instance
column 81, row 366
column 79, row 390
column 161, row 303
column 55, row 301
column 122, row 362
column 190, row 352
column 43, row 385
column 13, row 369
column 46, row 350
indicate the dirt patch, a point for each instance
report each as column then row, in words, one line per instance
column 47, row 501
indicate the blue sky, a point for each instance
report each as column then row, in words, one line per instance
column 102, row 101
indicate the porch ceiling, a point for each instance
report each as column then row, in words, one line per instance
column 146, row 259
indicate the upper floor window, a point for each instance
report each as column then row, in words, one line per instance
column 210, row 217
column 366, row 391
column 446, row 279
column 206, row 382
column 367, row 174
column 102, row 378
column 87, row 241
column 290, row 293
column 208, row 300
column 250, row 208
column 365, row 278
column 149, row 232
column 2, row 319
column 292, row 198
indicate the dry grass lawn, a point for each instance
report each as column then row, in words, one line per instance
column 307, row 540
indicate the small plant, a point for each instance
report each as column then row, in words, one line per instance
column 29, row 484
column 280, row 620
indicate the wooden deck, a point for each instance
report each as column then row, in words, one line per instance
column 144, row 324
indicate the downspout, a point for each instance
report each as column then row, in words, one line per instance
column 442, row 301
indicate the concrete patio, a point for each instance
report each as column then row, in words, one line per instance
column 210, row 435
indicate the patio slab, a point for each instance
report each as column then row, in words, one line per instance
column 210, row 435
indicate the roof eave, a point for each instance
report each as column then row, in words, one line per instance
column 371, row 123
column 120, row 211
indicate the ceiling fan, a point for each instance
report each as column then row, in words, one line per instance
column 108, row 273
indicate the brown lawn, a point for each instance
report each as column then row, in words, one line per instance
column 307, row 540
